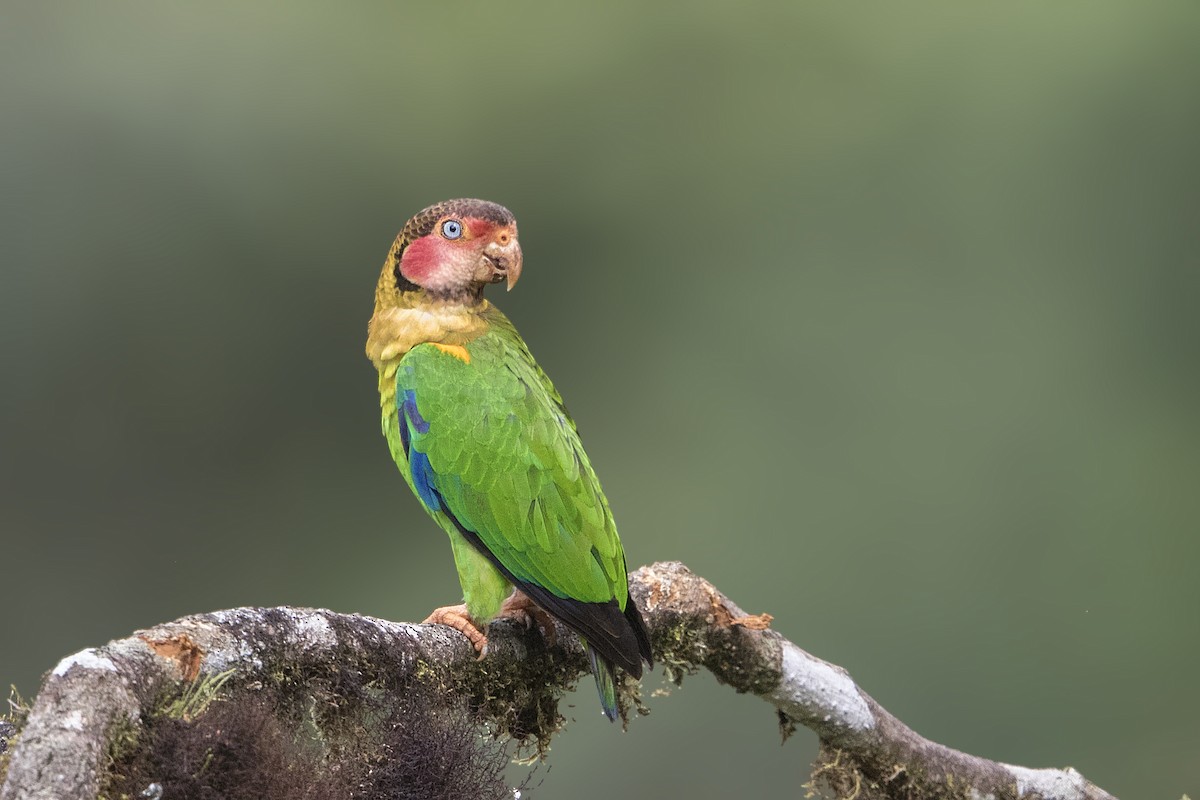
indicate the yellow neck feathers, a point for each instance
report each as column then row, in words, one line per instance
column 403, row 320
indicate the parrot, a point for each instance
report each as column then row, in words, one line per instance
column 485, row 443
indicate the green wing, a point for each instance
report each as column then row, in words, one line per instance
column 490, row 446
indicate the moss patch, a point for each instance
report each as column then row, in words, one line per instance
column 515, row 699
column 680, row 648
column 257, row 743
column 837, row 775
column 12, row 721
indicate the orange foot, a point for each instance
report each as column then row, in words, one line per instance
column 456, row 617
column 518, row 606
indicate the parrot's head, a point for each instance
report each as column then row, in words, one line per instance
column 457, row 247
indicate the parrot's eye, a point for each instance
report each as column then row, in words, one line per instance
column 452, row 229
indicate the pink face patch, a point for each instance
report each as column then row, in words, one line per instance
column 421, row 258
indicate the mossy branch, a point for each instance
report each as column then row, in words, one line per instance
column 334, row 674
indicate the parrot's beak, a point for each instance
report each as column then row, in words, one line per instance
column 505, row 261
column 514, row 270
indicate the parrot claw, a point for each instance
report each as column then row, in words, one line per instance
column 456, row 617
column 519, row 607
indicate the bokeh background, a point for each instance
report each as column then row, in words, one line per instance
column 884, row 317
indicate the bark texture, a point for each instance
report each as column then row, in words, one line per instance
column 92, row 699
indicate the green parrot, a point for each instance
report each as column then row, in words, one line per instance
column 485, row 443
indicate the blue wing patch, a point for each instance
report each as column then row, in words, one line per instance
column 422, row 475
column 418, row 463
column 408, row 404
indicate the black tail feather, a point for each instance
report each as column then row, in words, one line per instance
column 634, row 615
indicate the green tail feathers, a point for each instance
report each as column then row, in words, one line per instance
column 606, row 682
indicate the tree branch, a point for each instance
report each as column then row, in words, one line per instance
column 90, row 698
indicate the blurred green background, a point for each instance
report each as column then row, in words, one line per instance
column 884, row 317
